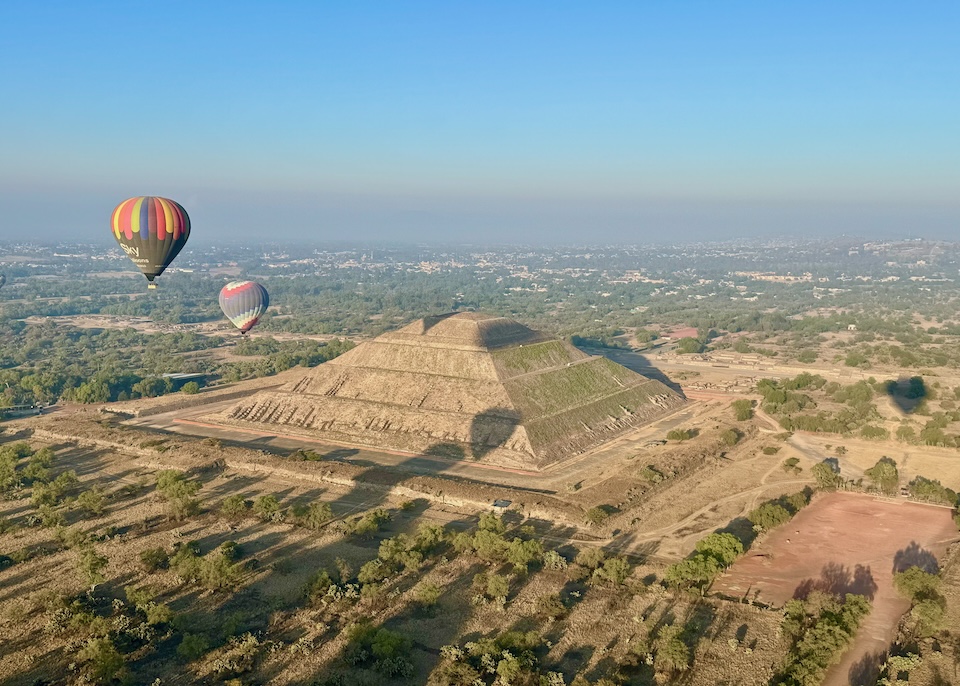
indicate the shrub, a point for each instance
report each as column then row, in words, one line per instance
column 596, row 516
column 234, row 506
column 267, row 508
column 313, row 516
column 615, row 571
column 92, row 501
column 591, row 558
column 428, row 594
column 671, row 654
column 771, row 449
column 178, row 491
column 791, row 464
column 192, row 646
column 190, row 388
column 742, row 410
column 680, row 435
column 498, row 587
column 104, row 662
column 554, row 561
column 551, row 606
column 521, row 553
column 884, row 475
column 370, row 523
column 154, row 559
column 238, row 657
column 90, row 566
column 769, row 516
column 730, row 437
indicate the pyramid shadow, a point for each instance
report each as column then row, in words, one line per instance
column 636, row 362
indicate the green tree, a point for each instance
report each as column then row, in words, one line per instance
column 90, row 566
column 267, row 508
column 178, row 491
column 688, row 345
column 769, row 516
column 104, row 661
column 731, row 437
column 742, row 410
column 671, row 654
column 234, row 506
column 827, row 478
column 190, row 388
column 596, row 516
column 725, row 548
column 884, row 475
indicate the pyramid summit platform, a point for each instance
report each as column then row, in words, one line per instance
column 464, row 385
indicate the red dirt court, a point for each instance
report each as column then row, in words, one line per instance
column 846, row 543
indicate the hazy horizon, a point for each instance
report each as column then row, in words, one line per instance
column 539, row 123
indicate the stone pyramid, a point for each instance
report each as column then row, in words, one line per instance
column 466, row 385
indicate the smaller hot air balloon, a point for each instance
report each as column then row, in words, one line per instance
column 152, row 231
column 244, row 302
column 3, row 279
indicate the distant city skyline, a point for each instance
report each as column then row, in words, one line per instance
column 505, row 122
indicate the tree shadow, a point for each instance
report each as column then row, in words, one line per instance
column 838, row 580
column 866, row 670
column 915, row 556
column 907, row 393
column 742, row 528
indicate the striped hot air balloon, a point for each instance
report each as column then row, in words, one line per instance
column 152, row 231
column 244, row 302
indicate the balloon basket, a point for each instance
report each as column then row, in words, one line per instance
column 152, row 286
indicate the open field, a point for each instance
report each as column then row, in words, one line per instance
column 298, row 640
column 846, row 543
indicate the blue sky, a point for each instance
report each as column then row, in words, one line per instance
column 532, row 121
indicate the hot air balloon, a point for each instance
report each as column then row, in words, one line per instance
column 3, row 279
column 244, row 302
column 152, row 231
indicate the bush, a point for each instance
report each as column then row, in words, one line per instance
column 369, row 524
column 178, row 491
column 428, row 594
column 193, row 646
column 154, row 559
column 313, row 516
column 614, row 571
column 730, row 437
column 679, row 435
column 551, row 606
column 267, row 508
column 388, row 650
column 671, row 654
column 742, row 410
column 596, row 516
column 554, row 561
column 90, row 566
column 791, row 464
column 769, row 516
column 92, row 501
column 190, row 388
column 591, row 558
column 238, row 657
column 884, row 475
column 104, row 662
column 234, row 506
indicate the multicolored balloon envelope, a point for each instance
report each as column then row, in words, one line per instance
column 244, row 302
column 152, row 231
